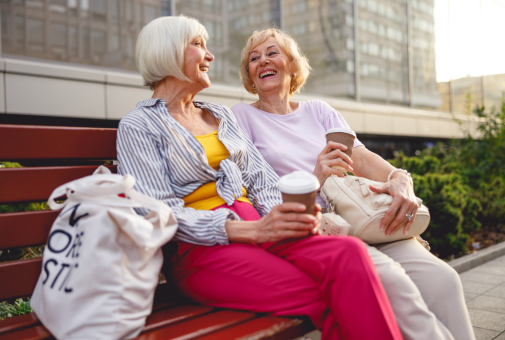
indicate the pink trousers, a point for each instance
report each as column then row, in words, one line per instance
column 331, row 279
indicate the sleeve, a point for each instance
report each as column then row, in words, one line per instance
column 260, row 180
column 139, row 155
column 333, row 119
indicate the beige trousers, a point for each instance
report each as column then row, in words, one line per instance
column 424, row 291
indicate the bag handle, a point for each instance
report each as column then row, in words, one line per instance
column 118, row 185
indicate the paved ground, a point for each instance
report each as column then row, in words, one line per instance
column 484, row 288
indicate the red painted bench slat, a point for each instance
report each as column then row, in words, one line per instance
column 157, row 319
column 19, row 278
column 175, row 314
column 32, row 333
column 50, row 142
column 25, row 229
column 270, row 327
column 37, row 183
column 200, row 326
column 23, row 321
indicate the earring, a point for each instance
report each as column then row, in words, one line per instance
column 293, row 75
column 254, row 86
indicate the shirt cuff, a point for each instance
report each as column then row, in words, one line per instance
column 220, row 217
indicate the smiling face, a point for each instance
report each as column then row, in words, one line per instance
column 196, row 62
column 269, row 68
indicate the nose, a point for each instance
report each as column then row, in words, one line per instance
column 264, row 60
column 209, row 56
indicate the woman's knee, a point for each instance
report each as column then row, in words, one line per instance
column 441, row 281
column 353, row 244
column 350, row 248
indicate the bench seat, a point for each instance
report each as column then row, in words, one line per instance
column 52, row 156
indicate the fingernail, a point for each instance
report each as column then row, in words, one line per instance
column 405, row 232
column 383, row 227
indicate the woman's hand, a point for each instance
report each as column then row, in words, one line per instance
column 319, row 216
column 328, row 158
column 404, row 203
column 283, row 221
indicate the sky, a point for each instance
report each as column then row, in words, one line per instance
column 469, row 38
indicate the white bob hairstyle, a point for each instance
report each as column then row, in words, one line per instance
column 161, row 45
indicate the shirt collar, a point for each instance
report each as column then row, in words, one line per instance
column 149, row 102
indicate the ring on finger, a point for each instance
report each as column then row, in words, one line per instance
column 409, row 216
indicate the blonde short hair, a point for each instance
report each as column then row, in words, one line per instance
column 299, row 63
column 161, row 45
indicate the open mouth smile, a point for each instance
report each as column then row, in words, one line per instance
column 267, row 74
column 204, row 68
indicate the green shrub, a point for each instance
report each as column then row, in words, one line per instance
column 450, row 205
column 19, row 307
column 462, row 183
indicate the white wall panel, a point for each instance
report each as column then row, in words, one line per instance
column 427, row 127
column 378, row 124
column 404, row 126
column 53, row 70
column 54, row 97
column 448, row 129
column 60, row 90
column 123, row 99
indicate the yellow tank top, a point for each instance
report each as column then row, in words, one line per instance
column 206, row 197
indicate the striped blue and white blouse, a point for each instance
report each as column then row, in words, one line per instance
column 168, row 163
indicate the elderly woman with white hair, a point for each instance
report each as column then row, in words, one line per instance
column 425, row 292
column 239, row 246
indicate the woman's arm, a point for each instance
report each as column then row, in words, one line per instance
column 365, row 163
column 370, row 165
column 140, row 156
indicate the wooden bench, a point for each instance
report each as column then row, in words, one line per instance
column 52, row 156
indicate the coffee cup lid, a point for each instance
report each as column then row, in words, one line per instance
column 344, row 130
column 298, row 182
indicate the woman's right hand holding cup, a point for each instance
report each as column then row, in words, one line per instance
column 332, row 156
column 285, row 220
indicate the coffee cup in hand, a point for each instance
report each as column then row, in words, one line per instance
column 301, row 187
column 343, row 136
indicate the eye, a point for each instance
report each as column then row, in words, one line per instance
column 272, row 53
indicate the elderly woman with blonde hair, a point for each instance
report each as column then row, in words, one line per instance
column 425, row 293
column 239, row 246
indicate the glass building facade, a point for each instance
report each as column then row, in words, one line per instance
column 377, row 51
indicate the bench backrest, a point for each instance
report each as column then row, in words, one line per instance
column 51, row 156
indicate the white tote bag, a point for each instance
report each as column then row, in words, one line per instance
column 102, row 260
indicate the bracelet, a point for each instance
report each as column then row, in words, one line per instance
column 401, row 170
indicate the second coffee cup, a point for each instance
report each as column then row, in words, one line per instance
column 342, row 136
column 300, row 186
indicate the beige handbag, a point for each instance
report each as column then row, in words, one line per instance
column 351, row 198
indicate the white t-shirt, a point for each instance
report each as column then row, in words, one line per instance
column 293, row 141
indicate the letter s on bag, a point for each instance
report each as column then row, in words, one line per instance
column 47, row 270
